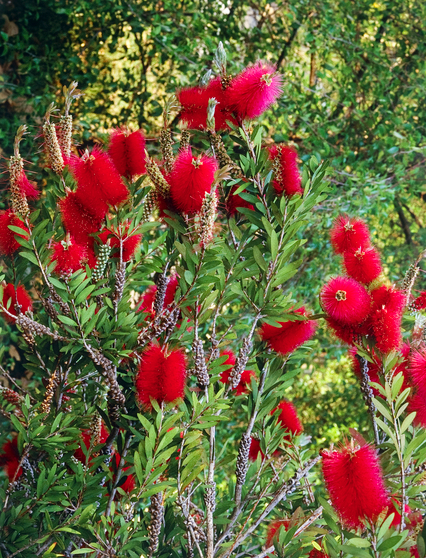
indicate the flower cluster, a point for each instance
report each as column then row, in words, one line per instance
column 246, row 96
column 292, row 333
column 355, row 304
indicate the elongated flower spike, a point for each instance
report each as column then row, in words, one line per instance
column 291, row 334
column 161, row 376
column 98, row 181
column 10, row 458
column 349, row 233
column 8, row 244
column 363, row 265
column 254, row 90
column 68, row 256
column 13, row 297
column 191, row 178
column 127, row 151
column 345, row 300
column 354, row 481
column 287, row 178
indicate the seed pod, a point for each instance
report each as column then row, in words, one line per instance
column 156, row 511
column 242, row 459
column 65, row 134
column 150, row 203
column 200, row 368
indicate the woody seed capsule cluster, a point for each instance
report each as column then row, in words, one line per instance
column 50, row 391
column 18, row 197
column 200, row 368
column 156, row 510
column 242, row 459
column 207, row 217
column 53, row 149
column 150, row 203
column 240, row 363
column 101, row 262
column 154, row 173
column 65, row 134
column 110, row 375
column 166, row 143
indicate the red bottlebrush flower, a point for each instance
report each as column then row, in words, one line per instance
column 255, row 449
column 69, row 256
column 349, row 334
column 87, row 438
column 127, row 151
column 129, row 484
column 28, row 188
column 417, row 404
column 354, row 481
column 190, row 179
column 349, row 233
column 363, row 265
column 78, row 220
column 130, row 243
column 160, row 376
column 417, row 368
column 290, row 335
column 395, row 508
column 386, row 316
column 315, row 553
column 420, row 302
column 288, row 418
column 10, row 458
column 345, row 300
column 8, row 244
column 97, row 179
column 373, row 369
column 194, row 102
column 273, row 529
column 286, row 171
column 254, row 90
column 19, row 295
column 389, row 299
column 230, row 361
column 149, row 296
column 234, row 202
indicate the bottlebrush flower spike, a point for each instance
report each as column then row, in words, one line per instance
column 190, row 179
column 386, row 316
column 420, row 302
column 349, row 233
column 354, row 481
column 315, row 553
column 10, row 458
column 417, row 404
column 8, row 244
column 97, row 180
column 19, row 295
column 417, row 369
column 288, row 418
column 234, row 202
column 345, row 300
column 130, row 243
column 194, row 102
column 87, row 436
column 161, row 376
column 78, row 220
column 291, row 334
column 28, row 188
column 127, row 151
column 255, row 449
column 350, row 334
column 286, row 171
column 69, row 256
column 363, row 265
column 129, row 484
column 396, row 508
column 273, row 529
column 254, row 90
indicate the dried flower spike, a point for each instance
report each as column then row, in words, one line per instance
column 51, row 143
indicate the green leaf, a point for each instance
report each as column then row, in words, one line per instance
column 407, row 422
